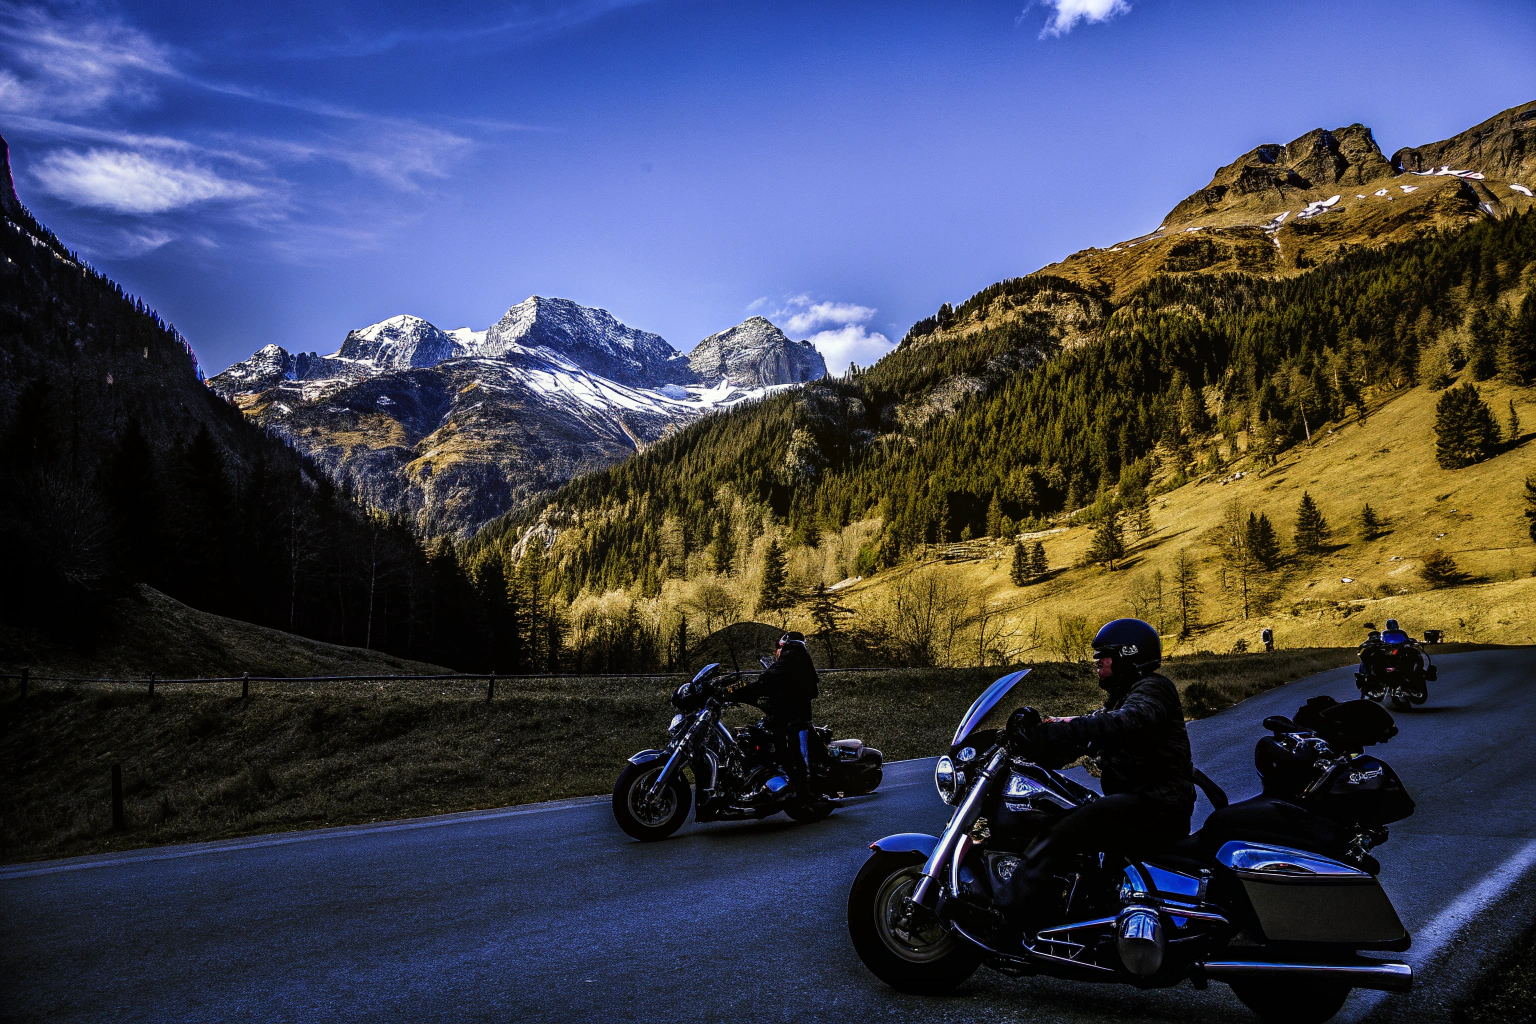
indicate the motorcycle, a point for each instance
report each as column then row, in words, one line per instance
column 1276, row 896
column 736, row 773
column 1394, row 667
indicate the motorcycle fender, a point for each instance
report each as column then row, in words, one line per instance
column 906, row 842
column 646, row 755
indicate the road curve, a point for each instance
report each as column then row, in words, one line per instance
column 548, row 912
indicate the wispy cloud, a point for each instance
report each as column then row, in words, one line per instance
column 527, row 22
column 127, row 182
column 838, row 330
column 64, row 67
column 1065, row 15
column 757, row 304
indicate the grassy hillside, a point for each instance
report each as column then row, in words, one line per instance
column 147, row 632
column 203, row 764
column 1474, row 514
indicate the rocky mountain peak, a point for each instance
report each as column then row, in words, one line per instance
column 590, row 338
column 401, row 342
column 1504, row 146
column 1272, row 176
column 9, row 204
column 755, row 353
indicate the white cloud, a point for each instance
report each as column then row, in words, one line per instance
column 805, row 315
column 124, row 182
column 1067, row 14
column 757, row 303
column 68, row 67
column 853, row 343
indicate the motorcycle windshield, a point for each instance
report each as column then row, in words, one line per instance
column 988, row 700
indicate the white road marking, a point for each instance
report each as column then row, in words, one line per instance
column 1435, row 936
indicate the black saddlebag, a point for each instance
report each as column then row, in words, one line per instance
column 856, row 769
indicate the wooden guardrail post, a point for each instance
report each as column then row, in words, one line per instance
column 119, row 823
column 245, row 685
column 490, row 687
column 151, row 684
column 24, row 673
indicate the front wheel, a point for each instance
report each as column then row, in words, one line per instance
column 907, row 948
column 1292, row 1001
column 644, row 819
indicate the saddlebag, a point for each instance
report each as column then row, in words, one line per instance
column 1302, row 897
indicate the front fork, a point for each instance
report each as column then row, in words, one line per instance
column 950, row 848
column 681, row 750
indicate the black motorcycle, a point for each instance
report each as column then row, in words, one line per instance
column 736, row 772
column 1275, row 896
column 1394, row 667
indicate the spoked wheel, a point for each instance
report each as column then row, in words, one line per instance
column 1292, row 1001
column 644, row 818
column 906, row 947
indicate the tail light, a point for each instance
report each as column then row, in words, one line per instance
column 1392, row 651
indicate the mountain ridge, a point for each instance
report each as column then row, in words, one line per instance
column 452, row 428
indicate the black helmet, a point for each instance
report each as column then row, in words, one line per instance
column 792, row 637
column 1133, row 644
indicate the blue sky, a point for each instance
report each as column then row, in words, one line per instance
column 284, row 172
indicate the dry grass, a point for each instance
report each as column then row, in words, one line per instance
column 1475, row 514
column 199, row 763
column 151, row 633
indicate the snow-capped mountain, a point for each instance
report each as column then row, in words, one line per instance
column 456, row 427
column 756, row 352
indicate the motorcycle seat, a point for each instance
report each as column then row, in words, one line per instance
column 1187, row 855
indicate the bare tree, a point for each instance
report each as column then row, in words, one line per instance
column 1186, row 589
column 1147, row 596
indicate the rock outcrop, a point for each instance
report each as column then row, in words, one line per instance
column 755, row 354
column 1504, row 146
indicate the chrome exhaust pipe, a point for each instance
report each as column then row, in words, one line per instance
column 1386, row 975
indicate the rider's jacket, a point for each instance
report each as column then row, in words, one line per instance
column 785, row 689
column 1139, row 740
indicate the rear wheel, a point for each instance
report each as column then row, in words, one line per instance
column 907, row 948
column 645, row 819
column 1292, row 1001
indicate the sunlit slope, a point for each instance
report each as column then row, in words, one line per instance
column 1475, row 514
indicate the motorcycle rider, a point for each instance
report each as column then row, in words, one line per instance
column 785, row 691
column 1142, row 749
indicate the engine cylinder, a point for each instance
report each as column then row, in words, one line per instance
column 1139, row 939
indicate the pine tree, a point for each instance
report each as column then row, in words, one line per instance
column 773, row 595
column 1311, row 527
column 1263, row 545
column 1019, row 572
column 995, row 517
column 1038, row 566
column 1465, row 432
column 1485, row 346
column 1518, row 361
column 1512, row 424
column 827, row 612
column 1108, row 545
column 1371, row 525
column 1530, row 506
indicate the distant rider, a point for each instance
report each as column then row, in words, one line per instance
column 784, row 691
column 1142, row 749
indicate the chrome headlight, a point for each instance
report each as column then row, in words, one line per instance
column 677, row 724
column 966, row 754
column 947, row 780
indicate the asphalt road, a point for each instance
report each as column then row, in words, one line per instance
column 548, row 912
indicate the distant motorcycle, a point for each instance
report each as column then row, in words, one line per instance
column 1394, row 667
column 1275, row 896
column 736, row 772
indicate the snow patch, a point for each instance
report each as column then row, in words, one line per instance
column 1445, row 171
column 1408, row 188
column 1379, row 192
column 1521, row 189
column 1320, row 206
column 1274, row 225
